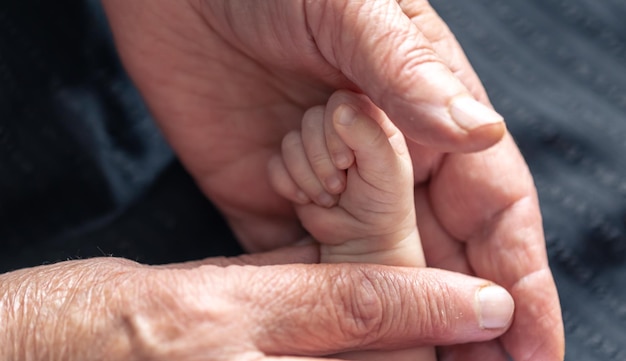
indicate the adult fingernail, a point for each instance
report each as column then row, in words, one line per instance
column 470, row 114
column 495, row 307
column 345, row 115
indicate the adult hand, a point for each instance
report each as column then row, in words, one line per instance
column 234, row 309
column 227, row 79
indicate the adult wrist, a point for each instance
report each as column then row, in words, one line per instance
column 9, row 342
column 66, row 311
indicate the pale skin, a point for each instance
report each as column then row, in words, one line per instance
column 369, row 215
column 361, row 209
column 229, row 309
column 226, row 80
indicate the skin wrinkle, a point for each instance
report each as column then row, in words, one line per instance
column 43, row 312
column 443, row 41
column 72, row 323
column 324, row 69
column 141, row 325
column 161, row 328
column 275, row 87
column 258, row 74
column 276, row 82
column 33, row 314
column 423, row 16
column 279, row 38
column 363, row 319
column 527, row 279
column 282, row 15
column 230, row 35
column 61, row 322
column 187, row 311
column 414, row 57
column 441, row 321
column 545, row 317
column 346, row 48
column 337, row 251
column 232, row 15
column 278, row 333
column 434, row 321
column 277, row 327
column 29, row 297
column 307, row 21
column 338, row 304
column 397, row 72
column 108, row 275
column 174, row 40
column 246, row 73
column 405, row 307
column 374, row 205
column 501, row 201
column 481, row 234
column 183, row 37
column 4, row 320
column 413, row 60
column 12, row 312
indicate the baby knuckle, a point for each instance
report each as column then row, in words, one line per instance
column 292, row 140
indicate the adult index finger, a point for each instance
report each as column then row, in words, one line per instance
column 327, row 309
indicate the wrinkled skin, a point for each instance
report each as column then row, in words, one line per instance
column 254, row 307
column 226, row 80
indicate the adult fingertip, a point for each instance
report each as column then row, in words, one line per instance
column 495, row 307
column 478, row 126
column 472, row 115
column 484, row 137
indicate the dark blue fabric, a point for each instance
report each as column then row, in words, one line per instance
column 84, row 172
column 76, row 144
column 556, row 69
column 83, row 169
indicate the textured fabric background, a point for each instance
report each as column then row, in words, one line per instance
column 556, row 69
column 84, row 172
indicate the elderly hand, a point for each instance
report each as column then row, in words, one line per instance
column 227, row 79
column 232, row 309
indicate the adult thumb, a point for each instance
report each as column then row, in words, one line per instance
column 377, row 47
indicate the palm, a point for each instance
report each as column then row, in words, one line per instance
column 237, row 95
column 236, row 107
